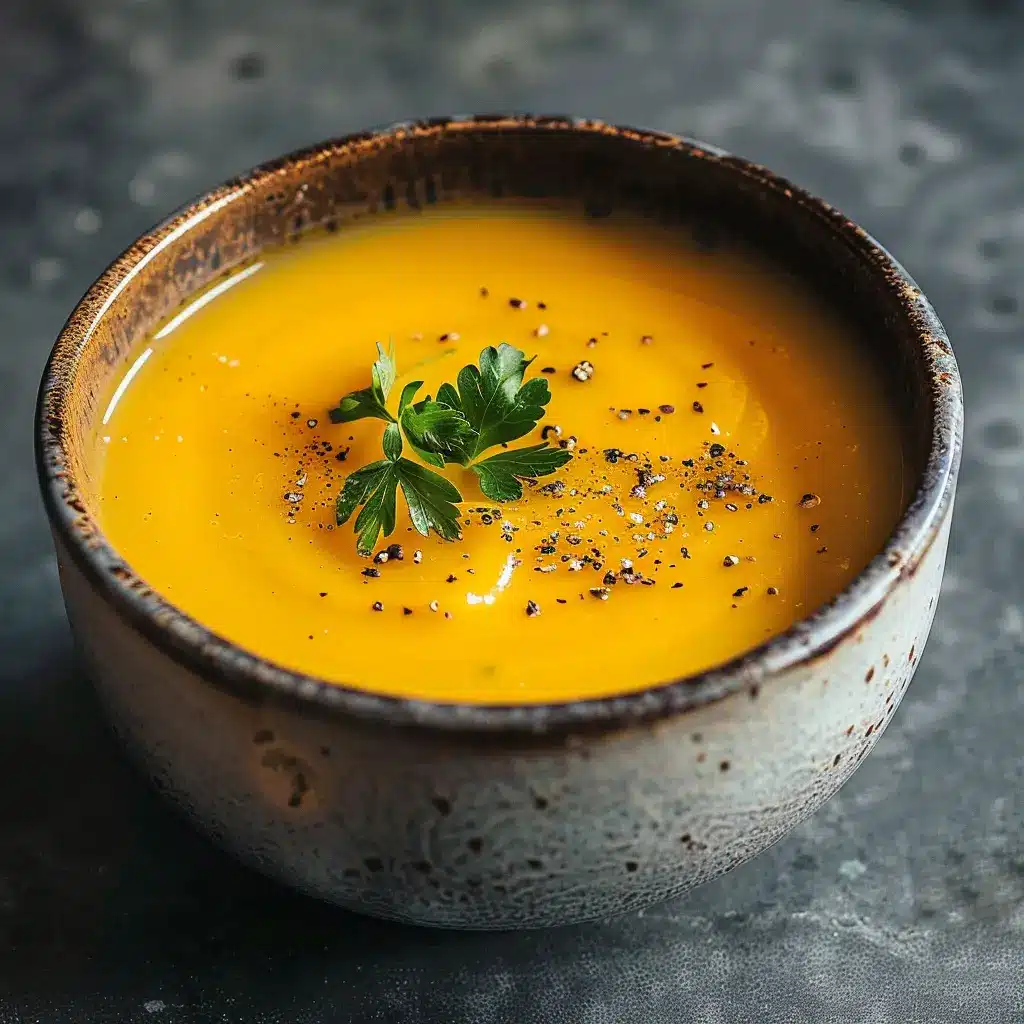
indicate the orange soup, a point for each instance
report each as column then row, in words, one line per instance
column 734, row 460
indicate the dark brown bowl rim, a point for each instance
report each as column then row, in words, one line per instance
column 256, row 679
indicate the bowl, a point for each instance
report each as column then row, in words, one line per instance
column 498, row 817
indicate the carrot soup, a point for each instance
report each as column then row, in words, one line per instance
column 652, row 457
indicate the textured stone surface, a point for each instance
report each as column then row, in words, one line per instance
column 903, row 899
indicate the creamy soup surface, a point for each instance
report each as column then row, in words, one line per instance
column 735, row 462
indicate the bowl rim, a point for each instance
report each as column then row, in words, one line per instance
column 223, row 663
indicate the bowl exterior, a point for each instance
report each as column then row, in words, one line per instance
column 491, row 832
column 496, row 817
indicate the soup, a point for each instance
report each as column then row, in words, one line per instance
column 734, row 462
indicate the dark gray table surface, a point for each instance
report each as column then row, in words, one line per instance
column 903, row 899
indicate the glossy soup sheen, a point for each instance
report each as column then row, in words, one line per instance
column 222, row 420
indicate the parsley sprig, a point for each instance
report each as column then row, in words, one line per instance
column 490, row 406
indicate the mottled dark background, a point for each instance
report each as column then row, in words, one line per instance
column 901, row 901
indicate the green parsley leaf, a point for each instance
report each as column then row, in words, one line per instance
column 359, row 405
column 499, row 407
column 430, row 458
column 447, row 395
column 430, row 497
column 378, row 514
column 392, row 442
column 383, row 373
column 373, row 487
column 500, row 474
column 491, row 406
column 371, row 402
column 358, row 487
column 408, row 394
column 438, row 429
column 431, row 500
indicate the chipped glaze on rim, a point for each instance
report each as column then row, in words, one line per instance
column 254, row 678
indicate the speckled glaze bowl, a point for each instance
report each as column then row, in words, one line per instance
column 500, row 817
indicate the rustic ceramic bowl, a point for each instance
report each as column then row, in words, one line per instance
column 500, row 817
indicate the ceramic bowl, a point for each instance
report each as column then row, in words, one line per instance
column 500, row 817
